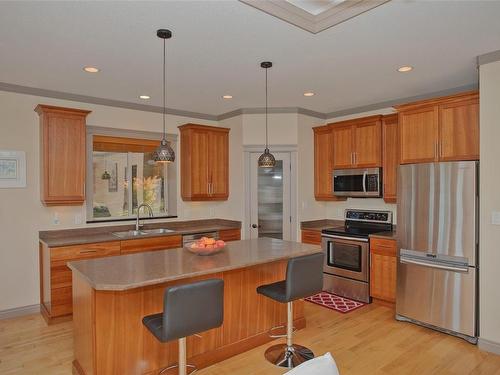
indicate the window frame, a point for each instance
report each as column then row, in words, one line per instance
column 171, row 196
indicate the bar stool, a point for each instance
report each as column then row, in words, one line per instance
column 304, row 277
column 187, row 310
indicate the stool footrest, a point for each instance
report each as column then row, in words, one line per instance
column 279, row 336
column 176, row 366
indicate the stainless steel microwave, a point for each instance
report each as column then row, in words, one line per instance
column 358, row 182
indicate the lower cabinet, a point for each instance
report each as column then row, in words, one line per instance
column 230, row 235
column 56, row 296
column 310, row 236
column 383, row 262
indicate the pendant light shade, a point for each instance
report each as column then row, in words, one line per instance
column 105, row 175
column 164, row 153
column 266, row 160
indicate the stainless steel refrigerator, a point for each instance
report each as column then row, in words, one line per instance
column 437, row 231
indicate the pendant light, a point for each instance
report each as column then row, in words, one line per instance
column 105, row 175
column 164, row 153
column 266, row 160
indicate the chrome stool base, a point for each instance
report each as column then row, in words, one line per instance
column 288, row 356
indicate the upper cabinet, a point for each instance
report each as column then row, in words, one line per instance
column 62, row 155
column 204, row 162
column 390, row 156
column 323, row 163
column 440, row 129
column 357, row 143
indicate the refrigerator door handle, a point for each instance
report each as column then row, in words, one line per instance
column 441, row 266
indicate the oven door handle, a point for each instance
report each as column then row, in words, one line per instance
column 345, row 238
column 365, row 174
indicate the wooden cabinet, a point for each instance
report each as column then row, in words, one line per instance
column 383, row 262
column 323, row 163
column 440, row 129
column 204, row 162
column 390, row 156
column 230, row 235
column 55, row 277
column 62, row 155
column 310, row 236
column 357, row 143
column 138, row 245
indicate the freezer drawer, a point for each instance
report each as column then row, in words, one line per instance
column 435, row 295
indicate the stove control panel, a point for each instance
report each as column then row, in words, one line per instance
column 368, row 215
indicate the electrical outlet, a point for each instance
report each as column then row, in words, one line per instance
column 495, row 218
column 78, row 219
column 55, row 219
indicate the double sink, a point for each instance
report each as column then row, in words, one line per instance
column 140, row 233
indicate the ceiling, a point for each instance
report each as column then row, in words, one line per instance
column 217, row 47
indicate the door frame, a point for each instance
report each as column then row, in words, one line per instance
column 292, row 149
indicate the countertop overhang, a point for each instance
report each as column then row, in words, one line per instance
column 125, row 272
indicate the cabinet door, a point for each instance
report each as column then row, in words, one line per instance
column 194, row 163
column 390, row 156
column 368, row 144
column 419, row 135
column 343, row 139
column 323, row 163
column 383, row 269
column 218, row 156
column 459, row 130
column 62, row 147
column 312, row 237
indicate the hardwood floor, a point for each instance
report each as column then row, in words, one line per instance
column 366, row 341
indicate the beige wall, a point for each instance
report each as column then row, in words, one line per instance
column 489, row 245
column 22, row 215
column 282, row 129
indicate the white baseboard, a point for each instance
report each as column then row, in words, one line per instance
column 489, row 346
column 19, row 311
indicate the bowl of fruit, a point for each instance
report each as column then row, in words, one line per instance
column 206, row 246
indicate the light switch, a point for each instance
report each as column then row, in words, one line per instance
column 495, row 218
column 78, row 219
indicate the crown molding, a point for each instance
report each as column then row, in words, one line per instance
column 237, row 112
column 101, row 101
column 488, row 58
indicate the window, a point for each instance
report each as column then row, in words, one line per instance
column 123, row 175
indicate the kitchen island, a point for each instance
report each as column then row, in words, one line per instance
column 112, row 295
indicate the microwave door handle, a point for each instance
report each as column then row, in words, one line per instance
column 365, row 175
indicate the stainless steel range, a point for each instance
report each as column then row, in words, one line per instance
column 347, row 252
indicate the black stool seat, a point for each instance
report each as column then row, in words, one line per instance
column 276, row 291
column 188, row 309
column 304, row 277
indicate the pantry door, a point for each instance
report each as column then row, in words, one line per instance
column 270, row 202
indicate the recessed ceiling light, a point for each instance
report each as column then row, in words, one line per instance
column 91, row 69
column 404, row 69
column 309, row 93
column 227, row 96
column 145, row 97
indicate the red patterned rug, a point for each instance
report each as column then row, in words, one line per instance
column 334, row 302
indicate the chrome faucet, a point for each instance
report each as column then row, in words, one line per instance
column 150, row 212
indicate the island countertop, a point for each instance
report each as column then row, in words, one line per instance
column 155, row 267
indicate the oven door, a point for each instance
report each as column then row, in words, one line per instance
column 357, row 182
column 346, row 256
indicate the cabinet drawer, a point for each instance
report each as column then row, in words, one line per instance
column 230, row 235
column 61, row 301
column 311, row 236
column 151, row 243
column 60, row 277
column 383, row 246
column 61, row 255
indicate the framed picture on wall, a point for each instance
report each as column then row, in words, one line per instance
column 12, row 169
column 113, row 181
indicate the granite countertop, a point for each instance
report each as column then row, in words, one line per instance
column 125, row 272
column 319, row 225
column 67, row 237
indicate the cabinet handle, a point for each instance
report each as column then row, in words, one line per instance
column 87, row 251
column 355, row 158
column 436, row 150
column 352, row 158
